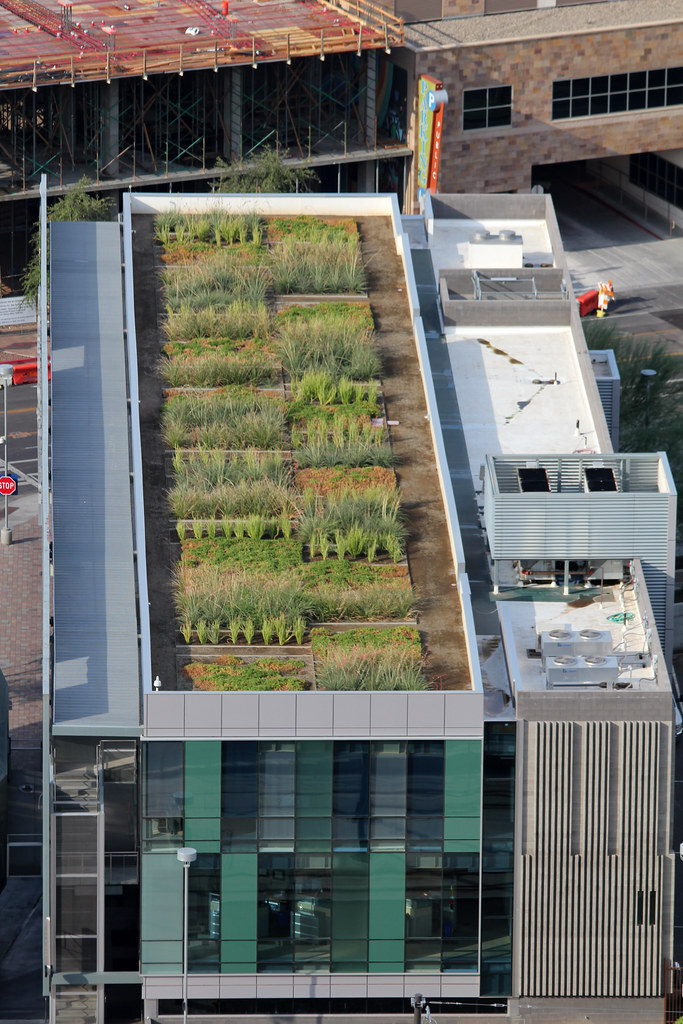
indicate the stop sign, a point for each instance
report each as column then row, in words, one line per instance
column 8, row 485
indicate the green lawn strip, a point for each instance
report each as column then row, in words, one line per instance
column 277, row 556
column 357, row 313
column 392, row 638
column 230, row 673
column 306, row 228
column 299, row 411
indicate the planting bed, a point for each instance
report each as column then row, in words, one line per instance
column 289, row 506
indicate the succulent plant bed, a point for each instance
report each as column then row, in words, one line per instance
column 228, row 672
column 285, row 509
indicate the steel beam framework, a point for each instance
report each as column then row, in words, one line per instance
column 168, row 123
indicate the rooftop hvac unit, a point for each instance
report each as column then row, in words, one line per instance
column 568, row 670
column 589, row 642
column 557, row 641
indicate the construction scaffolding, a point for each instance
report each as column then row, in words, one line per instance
column 41, row 45
column 167, row 124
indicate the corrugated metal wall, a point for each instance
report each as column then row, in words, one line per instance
column 595, row 870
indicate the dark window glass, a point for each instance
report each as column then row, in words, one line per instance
column 238, row 835
column 275, row 898
column 500, row 96
column 637, row 79
column 497, row 841
column 240, row 780
column 163, row 794
column 423, row 896
column 423, row 955
column 473, row 119
column 499, row 116
column 561, row 90
column 599, row 84
column 312, row 912
column 599, row 104
column 580, row 106
column 617, row 102
column 388, row 780
column 75, row 954
column 276, row 779
column 474, row 99
column 350, row 780
column 674, row 95
column 424, row 833
column 461, row 911
column 204, row 913
column 76, row 907
column 674, row 76
column 350, row 833
column 637, row 100
column 618, row 83
column 581, row 86
column 656, row 77
column 425, row 779
column 561, row 108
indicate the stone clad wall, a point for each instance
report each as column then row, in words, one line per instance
column 499, row 159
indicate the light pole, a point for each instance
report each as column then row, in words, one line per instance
column 647, row 376
column 6, row 376
column 186, row 855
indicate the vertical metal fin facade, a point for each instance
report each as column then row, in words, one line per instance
column 595, row 864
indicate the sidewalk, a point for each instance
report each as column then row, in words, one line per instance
column 20, row 659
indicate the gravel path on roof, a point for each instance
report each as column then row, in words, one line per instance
column 549, row 21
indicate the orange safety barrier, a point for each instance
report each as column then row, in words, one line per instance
column 588, row 302
column 26, row 371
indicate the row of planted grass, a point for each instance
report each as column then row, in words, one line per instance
column 357, row 659
column 243, row 576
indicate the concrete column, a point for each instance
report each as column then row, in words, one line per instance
column 109, row 158
column 369, row 113
column 233, row 115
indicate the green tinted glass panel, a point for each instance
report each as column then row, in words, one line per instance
column 238, row 957
column 239, row 887
column 162, row 897
column 203, row 779
column 463, row 778
column 203, row 830
column 163, row 953
column 387, row 897
column 314, row 828
column 350, row 896
column 461, row 846
column 385, row 951
column 349, row 955
column 461, row 828
column 314, row 779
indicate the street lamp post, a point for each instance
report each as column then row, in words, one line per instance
column 647, row 376
column 186, row 855
column 6, row 376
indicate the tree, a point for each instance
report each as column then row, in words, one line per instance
column 650, row 412
column 267, row 172
column 76, row 204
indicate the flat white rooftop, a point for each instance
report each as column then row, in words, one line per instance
column 519, row 390
column 450, row 241
column 523, row 621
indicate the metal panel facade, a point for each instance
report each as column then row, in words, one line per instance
column 96, row 666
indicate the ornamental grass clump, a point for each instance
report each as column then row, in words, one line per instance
column 265, row 498
column 319, row 454
column 328, row 343
column 209, row 469
column 354, row 521
column 235, row 321
column 216, row 282
column 232, row 420
column 215, row 370
column 320, row 267
column 321, row 387
column 367, row 669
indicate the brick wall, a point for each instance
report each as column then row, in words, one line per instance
column 500, row 159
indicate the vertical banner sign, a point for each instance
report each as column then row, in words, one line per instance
column 435, row 151
column 426, row 87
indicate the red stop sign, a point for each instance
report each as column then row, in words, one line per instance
column 8, row 485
